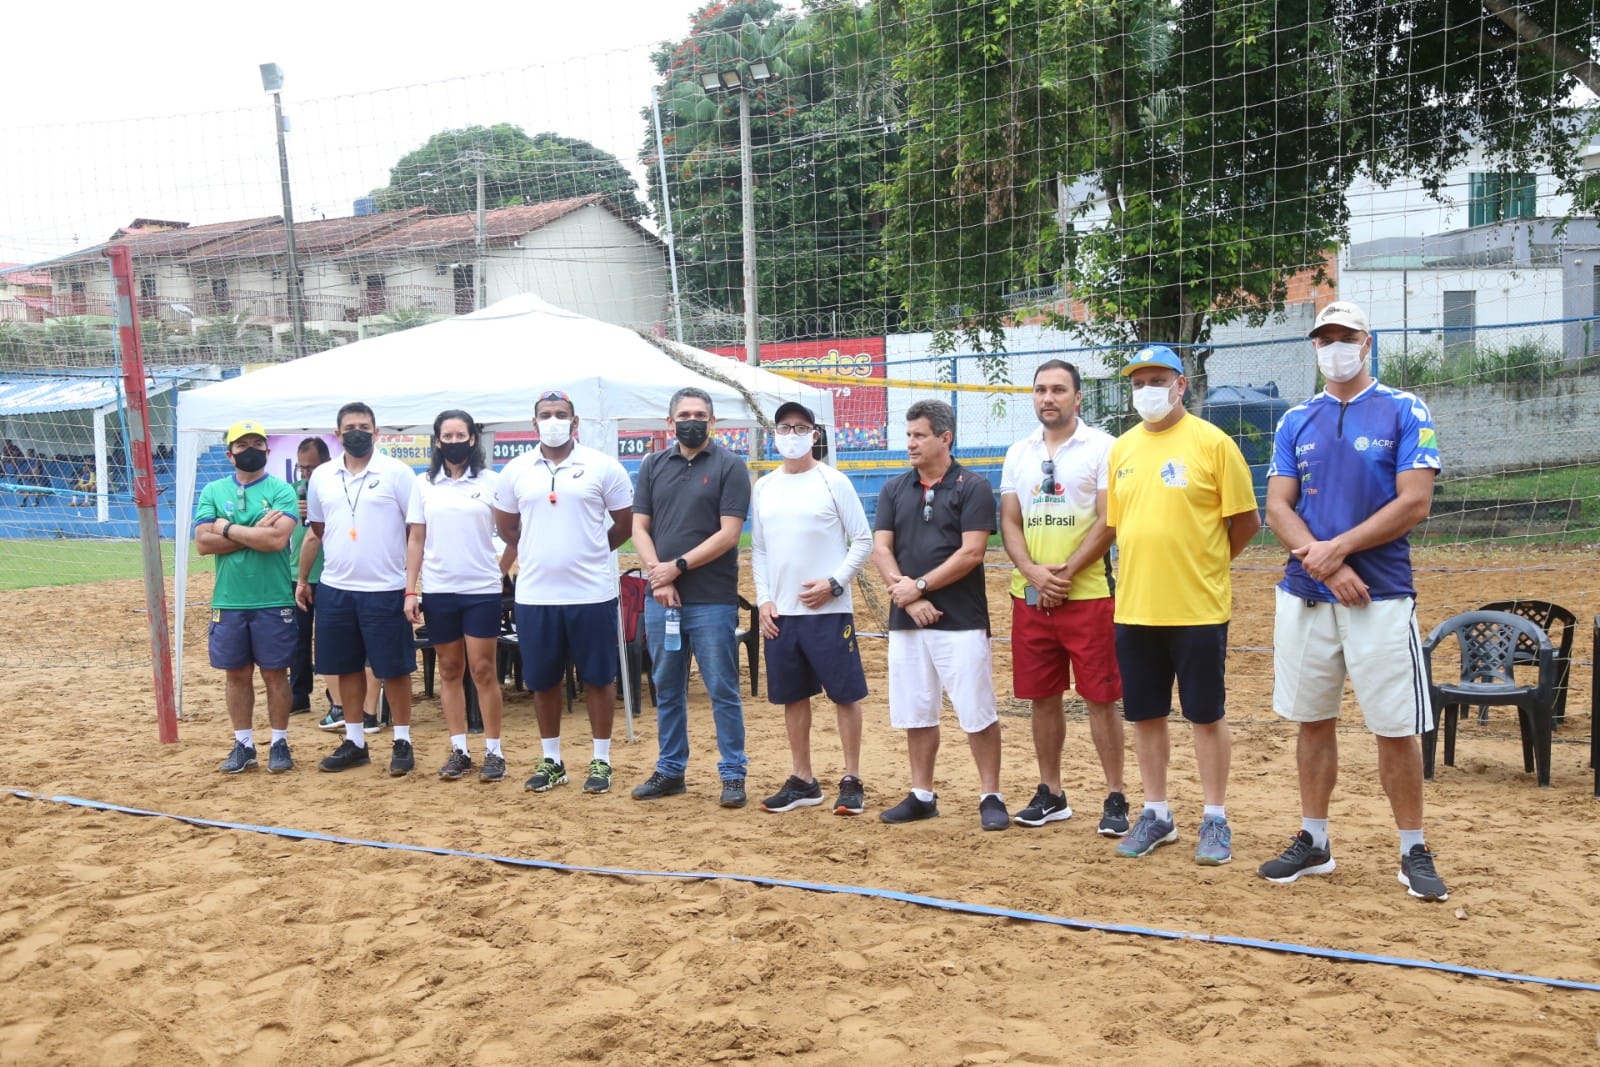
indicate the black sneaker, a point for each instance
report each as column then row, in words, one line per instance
column 1301, row 857
column 796, row 793
column 403, row 761
column 659, row 785
column 494, row 767
column 278, row 758
column 458, row 764
column 599, row 780
column 334, row 720
column 1044, row 807
column 1418, row 875
column 992, row 814
column 911, row 809
column 546, row 776
column 347, row 755
column 301, row 707
column 240, row 759
column 852, row 796
column 733, row 793
column 370, row 724
column 1114, row 816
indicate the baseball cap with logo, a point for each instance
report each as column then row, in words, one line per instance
column 1341, row 313
column 244, row 428
column 1153, row 356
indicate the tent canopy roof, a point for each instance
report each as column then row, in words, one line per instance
column 33, row 394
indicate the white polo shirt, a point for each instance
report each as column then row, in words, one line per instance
column 563, row 555
column 364, row 523
column 1056, row 518
column 458, row 553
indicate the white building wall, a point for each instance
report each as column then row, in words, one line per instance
column 592, row 263
column 1398, row 299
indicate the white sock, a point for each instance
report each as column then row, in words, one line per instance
column 280, row 735
column 924, row 795
column 1214, row 811
column 985, row 796
column 552, row 748
column 1318, row 829
column 247, row 738
column 458, row 742
column 1160, row 808
column 491, row 745
column 353, row 731
column 602, row 749
column 1409, row 839
column 402, row 733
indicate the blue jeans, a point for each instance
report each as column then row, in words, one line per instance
column 708, row 633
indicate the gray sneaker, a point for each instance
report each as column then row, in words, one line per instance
column 494, row 767
column 279, row 760
column 546, row 776
column 1216, row 843
column 241, row 759
column 458, row 764
column 1147, row 835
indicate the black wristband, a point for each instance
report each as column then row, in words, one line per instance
column 683, row 565
column 835, row 587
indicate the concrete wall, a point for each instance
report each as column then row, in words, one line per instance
column 1489, row 428
column 592, row 263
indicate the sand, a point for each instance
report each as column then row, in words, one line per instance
column 129, row 940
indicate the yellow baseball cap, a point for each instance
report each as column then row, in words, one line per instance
column 244, row 429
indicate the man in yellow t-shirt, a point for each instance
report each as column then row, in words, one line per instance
column 1182, row 507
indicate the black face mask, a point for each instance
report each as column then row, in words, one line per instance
column 455, row 452
column 692, row 433
column 357, row 442
column 251, row 460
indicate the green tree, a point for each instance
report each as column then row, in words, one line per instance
column 443, row 173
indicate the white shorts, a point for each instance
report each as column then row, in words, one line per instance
column 1315, row 646
column 922, row 663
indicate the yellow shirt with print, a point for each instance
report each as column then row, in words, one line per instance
column 1169, row 494
column 1054, row 525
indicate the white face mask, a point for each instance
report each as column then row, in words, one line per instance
column 555, row 432
column 1339, row 361
column 794, row 445
column 1153, row 402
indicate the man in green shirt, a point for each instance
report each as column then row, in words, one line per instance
column 245, row 520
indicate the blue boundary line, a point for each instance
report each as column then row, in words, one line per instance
column 942, row 903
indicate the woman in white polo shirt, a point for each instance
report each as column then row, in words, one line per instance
column 450, row 557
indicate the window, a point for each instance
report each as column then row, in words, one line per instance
column 78, row 302
column 374, row 301
column 1496, row 197
column 1460, row 320
column 220, row 303
column 147, row 296
column 466, row 295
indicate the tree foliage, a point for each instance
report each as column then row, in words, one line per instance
column 443, row 173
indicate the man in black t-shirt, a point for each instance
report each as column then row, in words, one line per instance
column 932, row 528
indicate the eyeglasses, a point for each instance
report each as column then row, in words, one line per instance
column 1049, row 469
column 927, row 504
column 784, row 429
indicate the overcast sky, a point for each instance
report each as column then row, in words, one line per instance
column 120, row 111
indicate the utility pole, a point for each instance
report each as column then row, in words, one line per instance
column 752, row 339
column 272, row 81
column 480, row 240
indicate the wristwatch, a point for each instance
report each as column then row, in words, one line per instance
column 922, row 585
column 835, row 587
column 683, row 565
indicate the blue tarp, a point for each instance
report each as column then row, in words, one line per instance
column 33, row 394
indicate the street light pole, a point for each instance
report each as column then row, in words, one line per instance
column 752, row 339
column 272, row 82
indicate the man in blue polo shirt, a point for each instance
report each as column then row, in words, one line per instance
column 1352, row 473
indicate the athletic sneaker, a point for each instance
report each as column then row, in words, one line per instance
column 733, row 793
column 852, row 796
column 494, row 767
column 659, row 785
column 278, row 758
column 334, row 720
column 1114, row 816
column 1301, row 857
column 796, row 793
column 1044, row 807
column 403, row 761
column 546, row 776
column 347, row 755
column 301, row 708
column 599, row 780
column 911, row 809
column 1148, row 834
column 370, row 724
column 992, row 814
column 1216, row 842
column 458, row 764
column 1418, row 875
column 240, row 759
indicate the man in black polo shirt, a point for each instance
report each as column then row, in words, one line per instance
column 933, row 526
column 688, row 508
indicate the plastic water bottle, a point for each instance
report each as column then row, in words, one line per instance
column 674, row 640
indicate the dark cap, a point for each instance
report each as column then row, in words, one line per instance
column 794, row 407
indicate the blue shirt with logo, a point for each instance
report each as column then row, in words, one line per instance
column 1346, row 457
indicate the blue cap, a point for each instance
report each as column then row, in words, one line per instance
column 1153, row 356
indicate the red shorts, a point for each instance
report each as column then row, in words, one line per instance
column 1049, row 646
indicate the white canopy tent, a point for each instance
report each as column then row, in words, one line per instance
column 491, row 363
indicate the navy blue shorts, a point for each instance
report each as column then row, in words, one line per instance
column 355, row 630
column 551, row 634
column 1151, row 658
column 260, row 637
column 813, row 654
column 449, row 615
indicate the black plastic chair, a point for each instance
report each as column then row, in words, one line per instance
column 749, row 636
column 1488, row 641
column 1561, row 626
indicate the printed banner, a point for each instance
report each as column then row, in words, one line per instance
column 860, row 410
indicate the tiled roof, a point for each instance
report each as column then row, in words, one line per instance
column 501, row 226
column 167, row 242
column 317, row 235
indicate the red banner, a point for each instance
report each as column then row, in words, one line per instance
column 860, row 410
